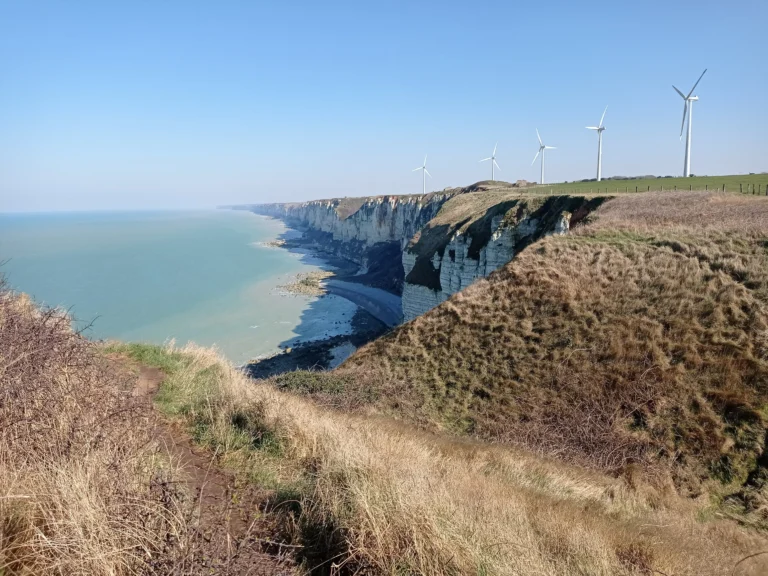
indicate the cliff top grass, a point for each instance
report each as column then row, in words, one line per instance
column 637, row 340
column 751, row 184
column 733, row 183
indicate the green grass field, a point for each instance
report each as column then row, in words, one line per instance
column 744, row 183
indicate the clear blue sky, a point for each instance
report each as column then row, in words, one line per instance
column 165, row 104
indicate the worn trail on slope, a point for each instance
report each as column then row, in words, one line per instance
column 230, row 535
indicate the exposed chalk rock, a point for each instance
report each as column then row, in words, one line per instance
column 458, row 270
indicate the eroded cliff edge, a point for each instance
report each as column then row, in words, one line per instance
column 371, row 232
column 428, row 247
column 476, row 235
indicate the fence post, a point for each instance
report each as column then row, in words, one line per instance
column 635, row 188
column 675, row 187
column 649, row 188
column 741, row 188
column 690, row 187
column 723, row 187
column 662, row 187
column 706, row 186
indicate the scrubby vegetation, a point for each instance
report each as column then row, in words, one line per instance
column 362, row 494
column 639, row 340
column 82, row 489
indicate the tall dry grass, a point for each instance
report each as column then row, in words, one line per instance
column 407, row 502
column 637, row 341
column 82, row 490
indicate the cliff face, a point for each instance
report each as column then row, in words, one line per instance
column 451, row 252
column 376, row 220
column 430, row 247
column 371, row 232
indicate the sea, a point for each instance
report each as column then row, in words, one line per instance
column 207, row 277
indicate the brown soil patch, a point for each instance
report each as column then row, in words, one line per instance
column 230, row 533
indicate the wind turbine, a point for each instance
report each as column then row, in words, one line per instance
column 493, row 162
column 599, row 129
column 541, row 151
column 424, row 175
column 688, row 109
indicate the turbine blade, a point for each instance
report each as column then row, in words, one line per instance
column 494, row 149
column 419, row 168
column 550, row 147
column 534, row 158
column 427, row 171
column 425, row 159
column 678, row 91
column 539, row 137
column 496, row 164
column 697, row 82
column 484, row 159
column 603, row 117
column 685, row 111
column 592, row 128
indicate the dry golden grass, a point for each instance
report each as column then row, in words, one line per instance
column 408, row 502
column 639, row 339
column 81, row 489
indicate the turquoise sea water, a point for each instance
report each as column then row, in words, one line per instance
column 198, row 276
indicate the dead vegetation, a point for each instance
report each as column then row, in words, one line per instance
column 368, row 495
column 81, row 488
column 639, row 340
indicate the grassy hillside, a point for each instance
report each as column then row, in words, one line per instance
column 639, row 339
column 365, row 495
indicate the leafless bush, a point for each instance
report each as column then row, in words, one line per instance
column 81, row 490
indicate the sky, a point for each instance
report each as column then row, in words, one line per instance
column 187, row 104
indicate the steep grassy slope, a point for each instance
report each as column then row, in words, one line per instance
column 367, row 495
column 640, row 338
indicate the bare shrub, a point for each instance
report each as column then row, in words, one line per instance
column 81, row 489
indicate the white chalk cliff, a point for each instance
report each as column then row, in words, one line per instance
column 384, row 221
column 458, row 270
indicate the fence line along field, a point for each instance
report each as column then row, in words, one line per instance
column 744, row 183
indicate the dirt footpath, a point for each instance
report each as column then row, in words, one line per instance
column 230, row 533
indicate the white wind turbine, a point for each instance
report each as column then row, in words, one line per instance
column 492, row 158
column 599, row 129
column 541, row 151
column 424, row 174
column 688, row 109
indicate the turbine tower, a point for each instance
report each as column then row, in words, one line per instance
column 599, row 129
column 424, row 174
column 492, row 158
column 688, row 109
column 541, row 151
